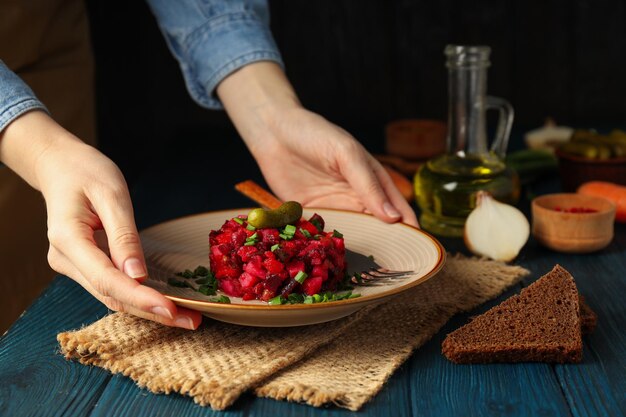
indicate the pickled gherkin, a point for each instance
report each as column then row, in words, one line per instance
column 592, row 145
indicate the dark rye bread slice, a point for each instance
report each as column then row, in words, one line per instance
column 541, row 324
column 588, row 317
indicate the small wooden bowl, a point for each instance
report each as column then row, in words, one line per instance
column 576, row 170
column 572, row 232
column 415, row 138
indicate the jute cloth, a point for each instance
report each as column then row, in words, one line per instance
column 219, row 361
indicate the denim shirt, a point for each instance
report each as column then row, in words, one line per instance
column 209, row 38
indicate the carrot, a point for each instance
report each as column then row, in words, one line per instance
column 401, row 182
column 258, row 194
column 614, row 192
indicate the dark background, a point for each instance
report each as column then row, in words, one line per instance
column 360, row 64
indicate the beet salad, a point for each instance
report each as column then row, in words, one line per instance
column 267, row 262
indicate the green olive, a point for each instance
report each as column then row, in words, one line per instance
column 618, row 136
column 604, row 152
column 618, row 149
column 586, row 150
column 582, row 135
column 288, row 213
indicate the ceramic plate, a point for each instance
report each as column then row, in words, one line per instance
column 183, row 244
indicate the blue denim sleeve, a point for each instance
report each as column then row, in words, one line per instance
column 213, row 38
column 16, row 98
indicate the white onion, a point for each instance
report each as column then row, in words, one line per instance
column 495, row 230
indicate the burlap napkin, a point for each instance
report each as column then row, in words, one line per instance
column 219, row 361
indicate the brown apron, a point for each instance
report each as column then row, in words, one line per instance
column 46, row 42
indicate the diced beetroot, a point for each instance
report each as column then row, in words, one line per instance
column 224, row 268
column 294, row 267
column 267, row 295
column 256, row 272
column 248, row 280
column 258, row 289
column 221, row 250
column 224, row 237
column 318, row 222
column 272, row 283
column 238, row 237
column 308, row 226
column 320, row 271
column 339, row 244
column 273, row 266
column 246, row 252
column 270, row 236
column 312, row 285
column 247, row 296
column 230, row 287
column 255, row 267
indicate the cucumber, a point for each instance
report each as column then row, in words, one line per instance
column 288, row 213
column 530, row 164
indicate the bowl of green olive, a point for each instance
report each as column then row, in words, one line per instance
column 589, row 156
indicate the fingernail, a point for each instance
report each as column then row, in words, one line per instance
column 134, row 268
column 184, row 321
column 390, row 210
column 162, row 312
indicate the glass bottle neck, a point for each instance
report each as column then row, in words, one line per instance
column 467, row 90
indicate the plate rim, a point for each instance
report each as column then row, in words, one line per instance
column 441, row 258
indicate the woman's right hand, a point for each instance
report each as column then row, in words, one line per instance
column 85, row 194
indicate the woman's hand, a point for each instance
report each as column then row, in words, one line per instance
column 303, row 156
column 85, row 194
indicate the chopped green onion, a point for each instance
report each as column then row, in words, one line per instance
column 221, row 299
column 250, row 227
column 308, row 300
column 285, row 237
column 289, row 230
column 203, row 280
column 317, row 237
column 276, row 301
column 187, row 273
column 201, row 271
column 354, row 295
column 177, row 283
column 305, row 233
column 237, row 220
column 274, row 247
column 337, row 234
column 252, row 239
column 206, row 290
column 317, row 298
column 300, row 276
column 294, row 298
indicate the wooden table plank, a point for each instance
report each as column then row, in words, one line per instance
column 36, row 379
column 122, row 397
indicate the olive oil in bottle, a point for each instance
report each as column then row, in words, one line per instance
column 446, row 187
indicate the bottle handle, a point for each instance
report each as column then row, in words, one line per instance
column 505, row 123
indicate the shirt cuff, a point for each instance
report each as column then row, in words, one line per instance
column 209, row 50
column 16, row 98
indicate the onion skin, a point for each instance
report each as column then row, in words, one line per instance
column 495, row 230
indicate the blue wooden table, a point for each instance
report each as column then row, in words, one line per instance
column 35, row 380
